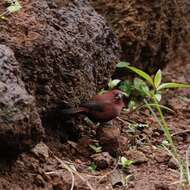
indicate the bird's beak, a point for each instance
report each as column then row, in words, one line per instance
column 119, row 96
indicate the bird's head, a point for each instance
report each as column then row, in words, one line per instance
column 119, row 96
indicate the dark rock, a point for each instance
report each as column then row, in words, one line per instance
column 172, row 164
column 20, row 125
column 63, row 47
column 41, row 151
column 102, row 160
column 109, row 139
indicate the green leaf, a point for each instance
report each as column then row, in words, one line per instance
column 172, row 85
column 142, row 74
column 158, row 97
column 137, row 71
column 132, row 105
column 158, row 78
column 125, row 162
column 113, row 83
column 126, row 86
column 141, row 86
column 14, row 7
column 93, row 167
column 97, row 149
column 122, row 64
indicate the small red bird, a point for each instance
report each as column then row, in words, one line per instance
column 101, row 108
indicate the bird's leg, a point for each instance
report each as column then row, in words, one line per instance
column 90, row 123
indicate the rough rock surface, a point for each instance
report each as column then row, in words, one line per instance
column 149, row 31
column 20, row 125
column 65, row 49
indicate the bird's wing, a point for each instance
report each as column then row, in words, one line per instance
column 94, row 106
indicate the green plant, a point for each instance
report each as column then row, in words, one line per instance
column 96, row 148
column 152, row 94
column 113, row 83
column 125, row 162
column 93, row 167
column 12, row 6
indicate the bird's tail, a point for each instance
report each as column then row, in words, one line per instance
column 72, row 111
column 63, row 109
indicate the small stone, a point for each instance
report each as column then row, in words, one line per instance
column 147, row 149
column 161, row 186
column 109, row 139
column 137, row 156
column 161, row 156
column 172, row 164
column 41, row 151
column 39, row 181
column 178, row 138
column 102, row 160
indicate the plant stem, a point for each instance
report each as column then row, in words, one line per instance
column 182, row 167
column 187, row 164
column 165, row 128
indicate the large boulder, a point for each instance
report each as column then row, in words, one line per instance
column 149, row 31
column 20, row 125
column 65, row 50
